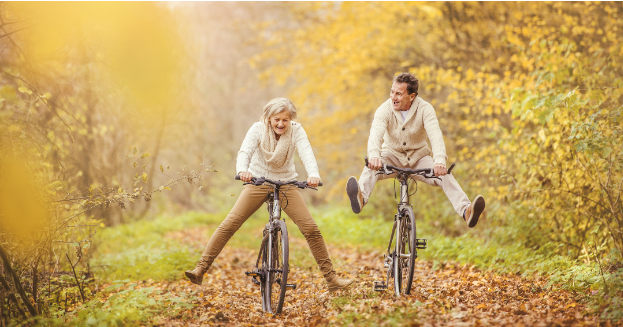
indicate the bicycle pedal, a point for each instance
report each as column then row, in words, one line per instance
column 251, row 273
column 421, row 243
column 291, row 286
column 380, row 286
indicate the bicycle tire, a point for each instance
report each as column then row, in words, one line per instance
column 263, row 267
column 406, row 252
column 276, row 281
column 396, row 260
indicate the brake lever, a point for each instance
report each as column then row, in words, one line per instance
column 432, row 175
column 387, row 172
column 304, row 185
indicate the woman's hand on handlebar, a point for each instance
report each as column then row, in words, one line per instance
column 313, row 181
column 245, row 176
column 440, row 169
column 375, row 163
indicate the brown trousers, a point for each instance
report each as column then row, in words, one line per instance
column 251, row 199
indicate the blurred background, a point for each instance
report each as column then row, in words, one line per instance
column 117, row 112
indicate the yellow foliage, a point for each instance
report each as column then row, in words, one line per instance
column 135, row 40
column 22, row 207
column 504, row 78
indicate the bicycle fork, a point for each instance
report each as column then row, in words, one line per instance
column 389, row 259
column 266, row 251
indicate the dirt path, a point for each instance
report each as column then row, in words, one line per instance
column 448, row 295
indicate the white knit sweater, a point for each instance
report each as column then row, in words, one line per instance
column 407, row 139
column 251, row 160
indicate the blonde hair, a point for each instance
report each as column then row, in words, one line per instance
column 277, row 106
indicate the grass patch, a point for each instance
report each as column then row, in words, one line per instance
column 123, row 303
column 140, row 250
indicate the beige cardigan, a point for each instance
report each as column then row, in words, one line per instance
column 407, row 140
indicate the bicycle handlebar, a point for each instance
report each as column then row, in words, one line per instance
column 261, row 180
column 424, row 172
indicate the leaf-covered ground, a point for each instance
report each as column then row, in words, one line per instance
column 442, row 295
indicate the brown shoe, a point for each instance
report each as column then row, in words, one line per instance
column 196, row 275
column 354, row 194
column 472, row 213
column 337, row 283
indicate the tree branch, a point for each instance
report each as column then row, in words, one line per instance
column 76, row 276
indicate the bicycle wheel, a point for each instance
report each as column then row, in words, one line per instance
column 263, row 267
column 406, row 252
column 278, row 273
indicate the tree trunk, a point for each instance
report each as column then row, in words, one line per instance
column 3, row 319
column 5, row 285
column 18, row 285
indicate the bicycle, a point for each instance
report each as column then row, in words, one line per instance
column 272, row 265
column 400, row 263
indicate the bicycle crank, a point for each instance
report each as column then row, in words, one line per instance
column 388, row 261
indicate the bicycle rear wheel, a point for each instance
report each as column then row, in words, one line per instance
column 278, row 273
column 406, row 252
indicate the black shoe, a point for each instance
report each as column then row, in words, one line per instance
column 354, row 194
column 472, row 213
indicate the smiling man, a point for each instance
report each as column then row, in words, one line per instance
column 402, row 124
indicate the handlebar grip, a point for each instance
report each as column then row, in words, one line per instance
column 366, row 159
column 320, row 184
column 451, row 166
column 237, row 177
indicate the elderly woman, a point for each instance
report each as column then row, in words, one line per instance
column 267, row 151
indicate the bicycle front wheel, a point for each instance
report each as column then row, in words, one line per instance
column 406, row 252
column 278, row 274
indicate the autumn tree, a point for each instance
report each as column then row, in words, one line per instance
column 527, row 94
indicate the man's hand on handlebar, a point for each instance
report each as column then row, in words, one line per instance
column 245, row 176
column 313, row 181
column 375, row 163
column 440, row 169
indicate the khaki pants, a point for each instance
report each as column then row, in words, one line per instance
column 448, row 184
column 251, row 199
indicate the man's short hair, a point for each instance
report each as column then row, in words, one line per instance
column 412, row 82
